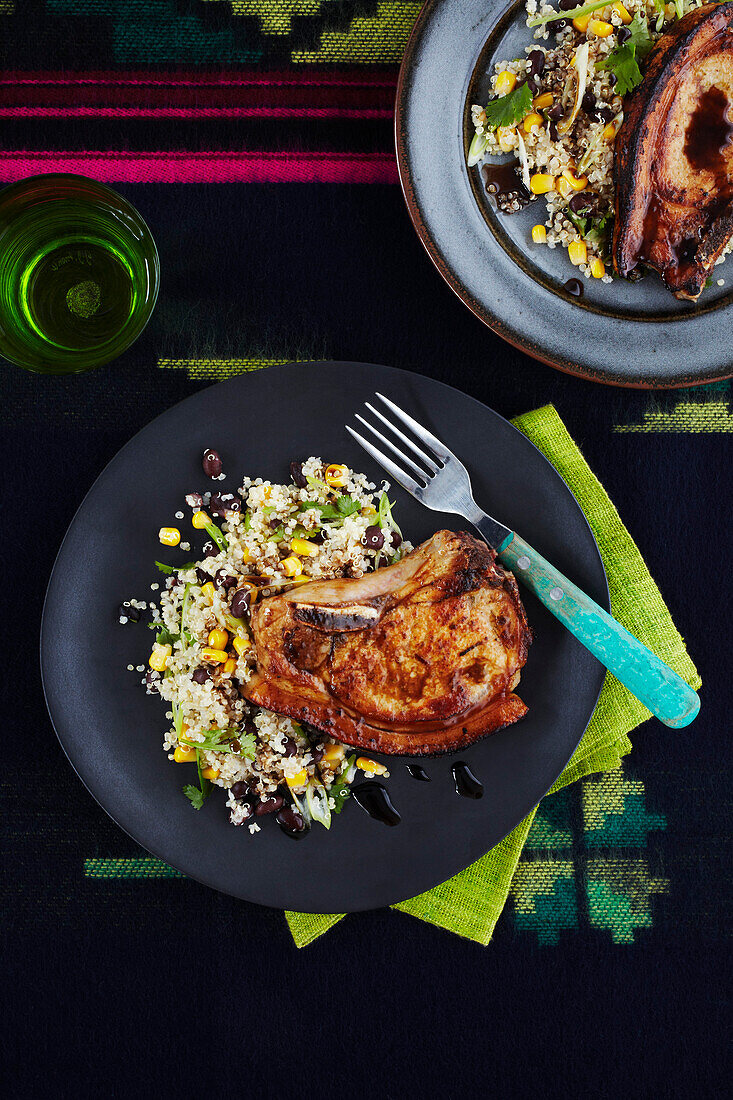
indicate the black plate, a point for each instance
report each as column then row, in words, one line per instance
column 111, row 731
column 621, row 333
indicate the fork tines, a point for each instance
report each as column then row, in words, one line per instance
column 431, row 464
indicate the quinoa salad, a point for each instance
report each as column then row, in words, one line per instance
column 558, row 110
column 327, row 522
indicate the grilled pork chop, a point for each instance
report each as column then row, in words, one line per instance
column 673, row 163
column 416, row 658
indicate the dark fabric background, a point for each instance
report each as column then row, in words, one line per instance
column 150, row 988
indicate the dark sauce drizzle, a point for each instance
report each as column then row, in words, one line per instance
column 418, row 773
column 374, row 798
column 503, row 184
column 574, row 287
column 467, row 785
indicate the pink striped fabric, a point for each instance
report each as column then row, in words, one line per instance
column 117, row 166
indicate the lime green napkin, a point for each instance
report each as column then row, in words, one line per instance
column 471, row 902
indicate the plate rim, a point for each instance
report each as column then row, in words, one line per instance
column 133, row 834
column 490, row 319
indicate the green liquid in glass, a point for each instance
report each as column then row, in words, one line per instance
column 79, row 274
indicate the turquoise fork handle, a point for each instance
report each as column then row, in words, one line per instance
column 655, row 684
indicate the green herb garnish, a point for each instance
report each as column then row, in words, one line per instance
column 198, row 795
column 344, row 506
column 508, row 109
column 164, row 635
column 584, row 9
column 622, row 61
column 169, row 570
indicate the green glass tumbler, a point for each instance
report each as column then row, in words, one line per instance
column 79, row 274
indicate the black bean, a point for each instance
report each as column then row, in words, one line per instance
column 241, row 601
column 373, row 538
column 211, row 463
column 567, row 5
column 132, row 614
column 605, row 114
column 624, row 34
column 533, row 84
column 249, row 726
column 290, row 820
column 289, row 747
column 200, row 675
column 612, row 79
column 241, row 790
column 223, row 580
column 269, row 805
column 536, row 62
column 221, row 503
column 579, row 202
column 396, row 540
column 297, row 475
column 588, row 102
column 151, row 681
column 194, row 500
column 553, row 131
column 209, row 549
column 555, row 112
column 558, row 25
column 317, row 755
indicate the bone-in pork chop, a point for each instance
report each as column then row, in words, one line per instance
column 416, row 658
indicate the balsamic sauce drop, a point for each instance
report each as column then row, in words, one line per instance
column 374, row 798
column 467, row 785
column 503, row 184
column 574, row 287
column 709, row 132
column 418, row 773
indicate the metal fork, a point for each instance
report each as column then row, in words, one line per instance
column 440, row 481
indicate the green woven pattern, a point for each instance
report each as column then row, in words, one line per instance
column 470, row 903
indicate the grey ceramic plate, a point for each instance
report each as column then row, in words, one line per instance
column 112, row 732
column 624, row 334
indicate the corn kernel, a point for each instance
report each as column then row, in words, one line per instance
column 600, row 28
column 541, row 183
column 158, row 659
column 302, row 579
column 609, row 132
column 370, row 767
column 369, row 510
column 230, row 666
column 336, row 475
column 576, row 182
column 505, row 82
column 669, row 11
column 333, row 754
column 541, row 101
column 539, row 234
column 182, row 754
column 581, row 23
column 218, row 639
column 241, row 645
column 622, row 12
column 530, row 120
column 214, row 656
column 577, row 252
column 597, row 267
column 169, row 536
column 298, row 780
column 208, row 591
column 507, row 138
column 303, row 547
column 291, row 566
column 563, row 187
column 199, row 520
column 210, row 773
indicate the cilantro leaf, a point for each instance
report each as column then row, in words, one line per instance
column 247, row 745
column 163, row 635
column 622, row 63
column 169, row 570
column 339, row 791
column 508, row 109
column 195, row 796
column 347, row 506
column 640, row 38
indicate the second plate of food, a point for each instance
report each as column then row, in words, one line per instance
column 201, row 777
column 500, row 133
